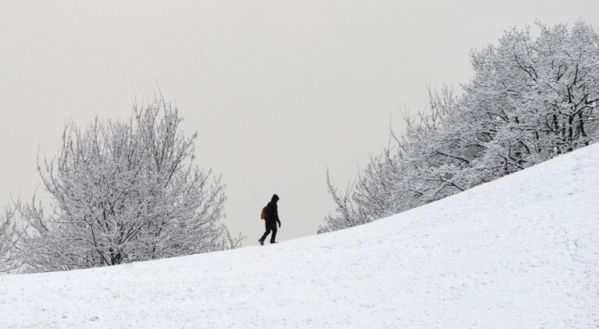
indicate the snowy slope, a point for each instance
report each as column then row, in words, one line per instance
column 520, row 252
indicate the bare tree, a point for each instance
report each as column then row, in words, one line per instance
column 125, row 191
column 8, row 239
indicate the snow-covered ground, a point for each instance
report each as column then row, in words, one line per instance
column 520, row 252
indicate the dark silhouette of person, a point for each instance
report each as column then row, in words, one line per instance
column 271, row 219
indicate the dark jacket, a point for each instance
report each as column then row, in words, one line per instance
column 272, row 213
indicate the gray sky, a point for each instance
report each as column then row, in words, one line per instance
column 278, row 91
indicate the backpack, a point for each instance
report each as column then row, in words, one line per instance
column 263, row 214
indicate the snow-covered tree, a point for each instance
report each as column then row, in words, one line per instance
column 7, row 240
column 536, row 97
column 125, row 191
column 531, row 98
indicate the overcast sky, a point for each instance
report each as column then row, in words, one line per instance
column 278, row 91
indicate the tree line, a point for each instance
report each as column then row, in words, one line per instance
column 533, row 96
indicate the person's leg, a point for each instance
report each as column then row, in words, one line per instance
column 265, row 233
column 274, row 233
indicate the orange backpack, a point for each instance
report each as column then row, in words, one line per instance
column 263, row 214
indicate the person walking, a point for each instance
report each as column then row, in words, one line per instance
column 270, row 214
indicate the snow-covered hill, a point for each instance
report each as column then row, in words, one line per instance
column 520, row 252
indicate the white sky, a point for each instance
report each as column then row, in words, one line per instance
column 279, row 91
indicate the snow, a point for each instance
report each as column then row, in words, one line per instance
column 520, row 252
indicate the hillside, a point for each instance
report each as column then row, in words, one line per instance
column 520, row 252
